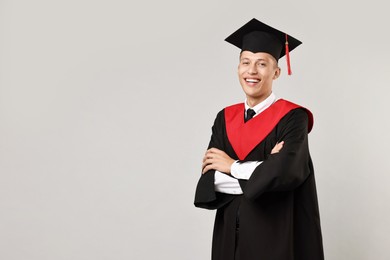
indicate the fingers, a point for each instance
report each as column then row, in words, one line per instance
column 207, row 168
column 212, row 153
column 211, row 159
column 277, row 147
column 207, row 162
column 215, row 159
column 208, row 156
column 208, row 159
column 280, row 145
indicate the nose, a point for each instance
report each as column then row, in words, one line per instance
column 252, row 69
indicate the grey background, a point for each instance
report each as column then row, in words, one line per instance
column 106, row 109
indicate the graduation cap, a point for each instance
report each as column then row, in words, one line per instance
column 256, row 36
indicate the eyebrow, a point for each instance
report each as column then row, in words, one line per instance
column 261, row 59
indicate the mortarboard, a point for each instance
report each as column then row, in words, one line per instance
column 256, row 36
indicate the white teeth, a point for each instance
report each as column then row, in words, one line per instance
column 252, row 80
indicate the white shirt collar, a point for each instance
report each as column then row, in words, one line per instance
column 263, row 105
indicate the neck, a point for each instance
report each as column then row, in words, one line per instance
column 251, row 102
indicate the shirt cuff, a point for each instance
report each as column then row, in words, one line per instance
column 226, row 184
column 243, row 170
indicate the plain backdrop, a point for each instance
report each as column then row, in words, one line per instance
column 106, row 110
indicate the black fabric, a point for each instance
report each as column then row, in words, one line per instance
column 237, row 249
column 256, row 36
column 250, row 113
column 279, row 216
column 258, row 41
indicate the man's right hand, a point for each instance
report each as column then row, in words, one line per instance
column 277, row 147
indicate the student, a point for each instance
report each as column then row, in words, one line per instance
column 257, row 172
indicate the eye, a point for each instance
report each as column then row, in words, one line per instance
column 245, row 62
column 262, row 64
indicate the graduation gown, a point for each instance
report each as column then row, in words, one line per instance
column 278, row 210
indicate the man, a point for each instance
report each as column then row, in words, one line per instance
column 257, row 171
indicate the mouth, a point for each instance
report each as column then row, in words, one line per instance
column 252, row 81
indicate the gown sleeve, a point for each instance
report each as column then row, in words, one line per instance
column 288, row 169
column 205, row 195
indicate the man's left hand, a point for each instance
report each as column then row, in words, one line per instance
column 218, row 160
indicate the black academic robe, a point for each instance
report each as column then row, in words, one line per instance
column 278, row 211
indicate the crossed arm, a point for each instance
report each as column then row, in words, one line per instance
column 218, row 160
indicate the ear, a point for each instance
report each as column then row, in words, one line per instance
column 277, row 73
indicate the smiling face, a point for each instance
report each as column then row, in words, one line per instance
column 256, row 73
